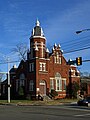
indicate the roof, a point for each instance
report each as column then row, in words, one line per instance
column 37, row 30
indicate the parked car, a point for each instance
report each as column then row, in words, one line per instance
column 88, row 99
column 84, row 102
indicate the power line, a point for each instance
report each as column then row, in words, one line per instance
column 9, row 62
column 77, row 50
column 76, row 44
column 72, row 45
column 76, row 40
column 80, row 43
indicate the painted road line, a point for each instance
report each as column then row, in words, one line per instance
column 82, row 115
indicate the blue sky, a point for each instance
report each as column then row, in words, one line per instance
column 59, row 20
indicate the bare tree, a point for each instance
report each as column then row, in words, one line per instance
column 21, row 50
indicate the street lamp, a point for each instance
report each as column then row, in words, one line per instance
column 77, row 32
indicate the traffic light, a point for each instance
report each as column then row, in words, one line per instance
column 79, row 61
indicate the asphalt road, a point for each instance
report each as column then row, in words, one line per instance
column 12, row 112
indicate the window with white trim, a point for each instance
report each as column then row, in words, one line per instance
column 42, row 66
column 57, row 59
column 54, row 59
column 58, row 85
column 60, row 60
column 51, row 84
column 31, row 85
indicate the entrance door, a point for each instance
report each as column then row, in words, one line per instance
column 42, row 86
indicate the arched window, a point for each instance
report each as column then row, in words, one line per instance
column 58, row 80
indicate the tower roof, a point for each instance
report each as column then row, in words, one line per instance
column 37, row 30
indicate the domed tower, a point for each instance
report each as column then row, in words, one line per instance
column 37, row 42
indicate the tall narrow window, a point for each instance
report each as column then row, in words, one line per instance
column 51, row 84
column 16, row 85
column 31, row 85
column 40, row 66
column 57, row 59
column 54, row 59
column 44, row 66
column 59, row 85
column 58, row 82
column 60, row 60
column 22, row 80
column 64, row 84
column 31, row 67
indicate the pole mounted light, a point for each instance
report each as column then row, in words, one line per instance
column 77, row 32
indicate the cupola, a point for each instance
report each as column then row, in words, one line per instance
column 37, row 30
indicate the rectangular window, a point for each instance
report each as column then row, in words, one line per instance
column 60, row 60
column 42, row 66
column 58, row 85
column 54, row 59
column 31, row 67
column 21, row 82
column 16, row 85
column 31, row 85
column 64, row 84
column 51, row 84
column 57, row 59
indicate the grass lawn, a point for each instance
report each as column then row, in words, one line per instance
column 35, row 102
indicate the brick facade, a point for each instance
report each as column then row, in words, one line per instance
column 43, row 71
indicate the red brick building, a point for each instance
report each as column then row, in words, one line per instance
column 43, row 71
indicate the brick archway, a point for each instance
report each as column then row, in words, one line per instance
column 42, row 87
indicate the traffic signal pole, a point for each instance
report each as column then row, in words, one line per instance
column 86, row 61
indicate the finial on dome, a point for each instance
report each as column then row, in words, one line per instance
column 47, row 50
column 53, row 49
column 37, row 23
column 55, row 45
column 62, row 51
column 59, row 45
column 14, row 66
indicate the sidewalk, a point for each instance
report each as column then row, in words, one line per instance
column 27, row 103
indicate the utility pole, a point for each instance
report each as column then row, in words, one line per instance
column 8, row 82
